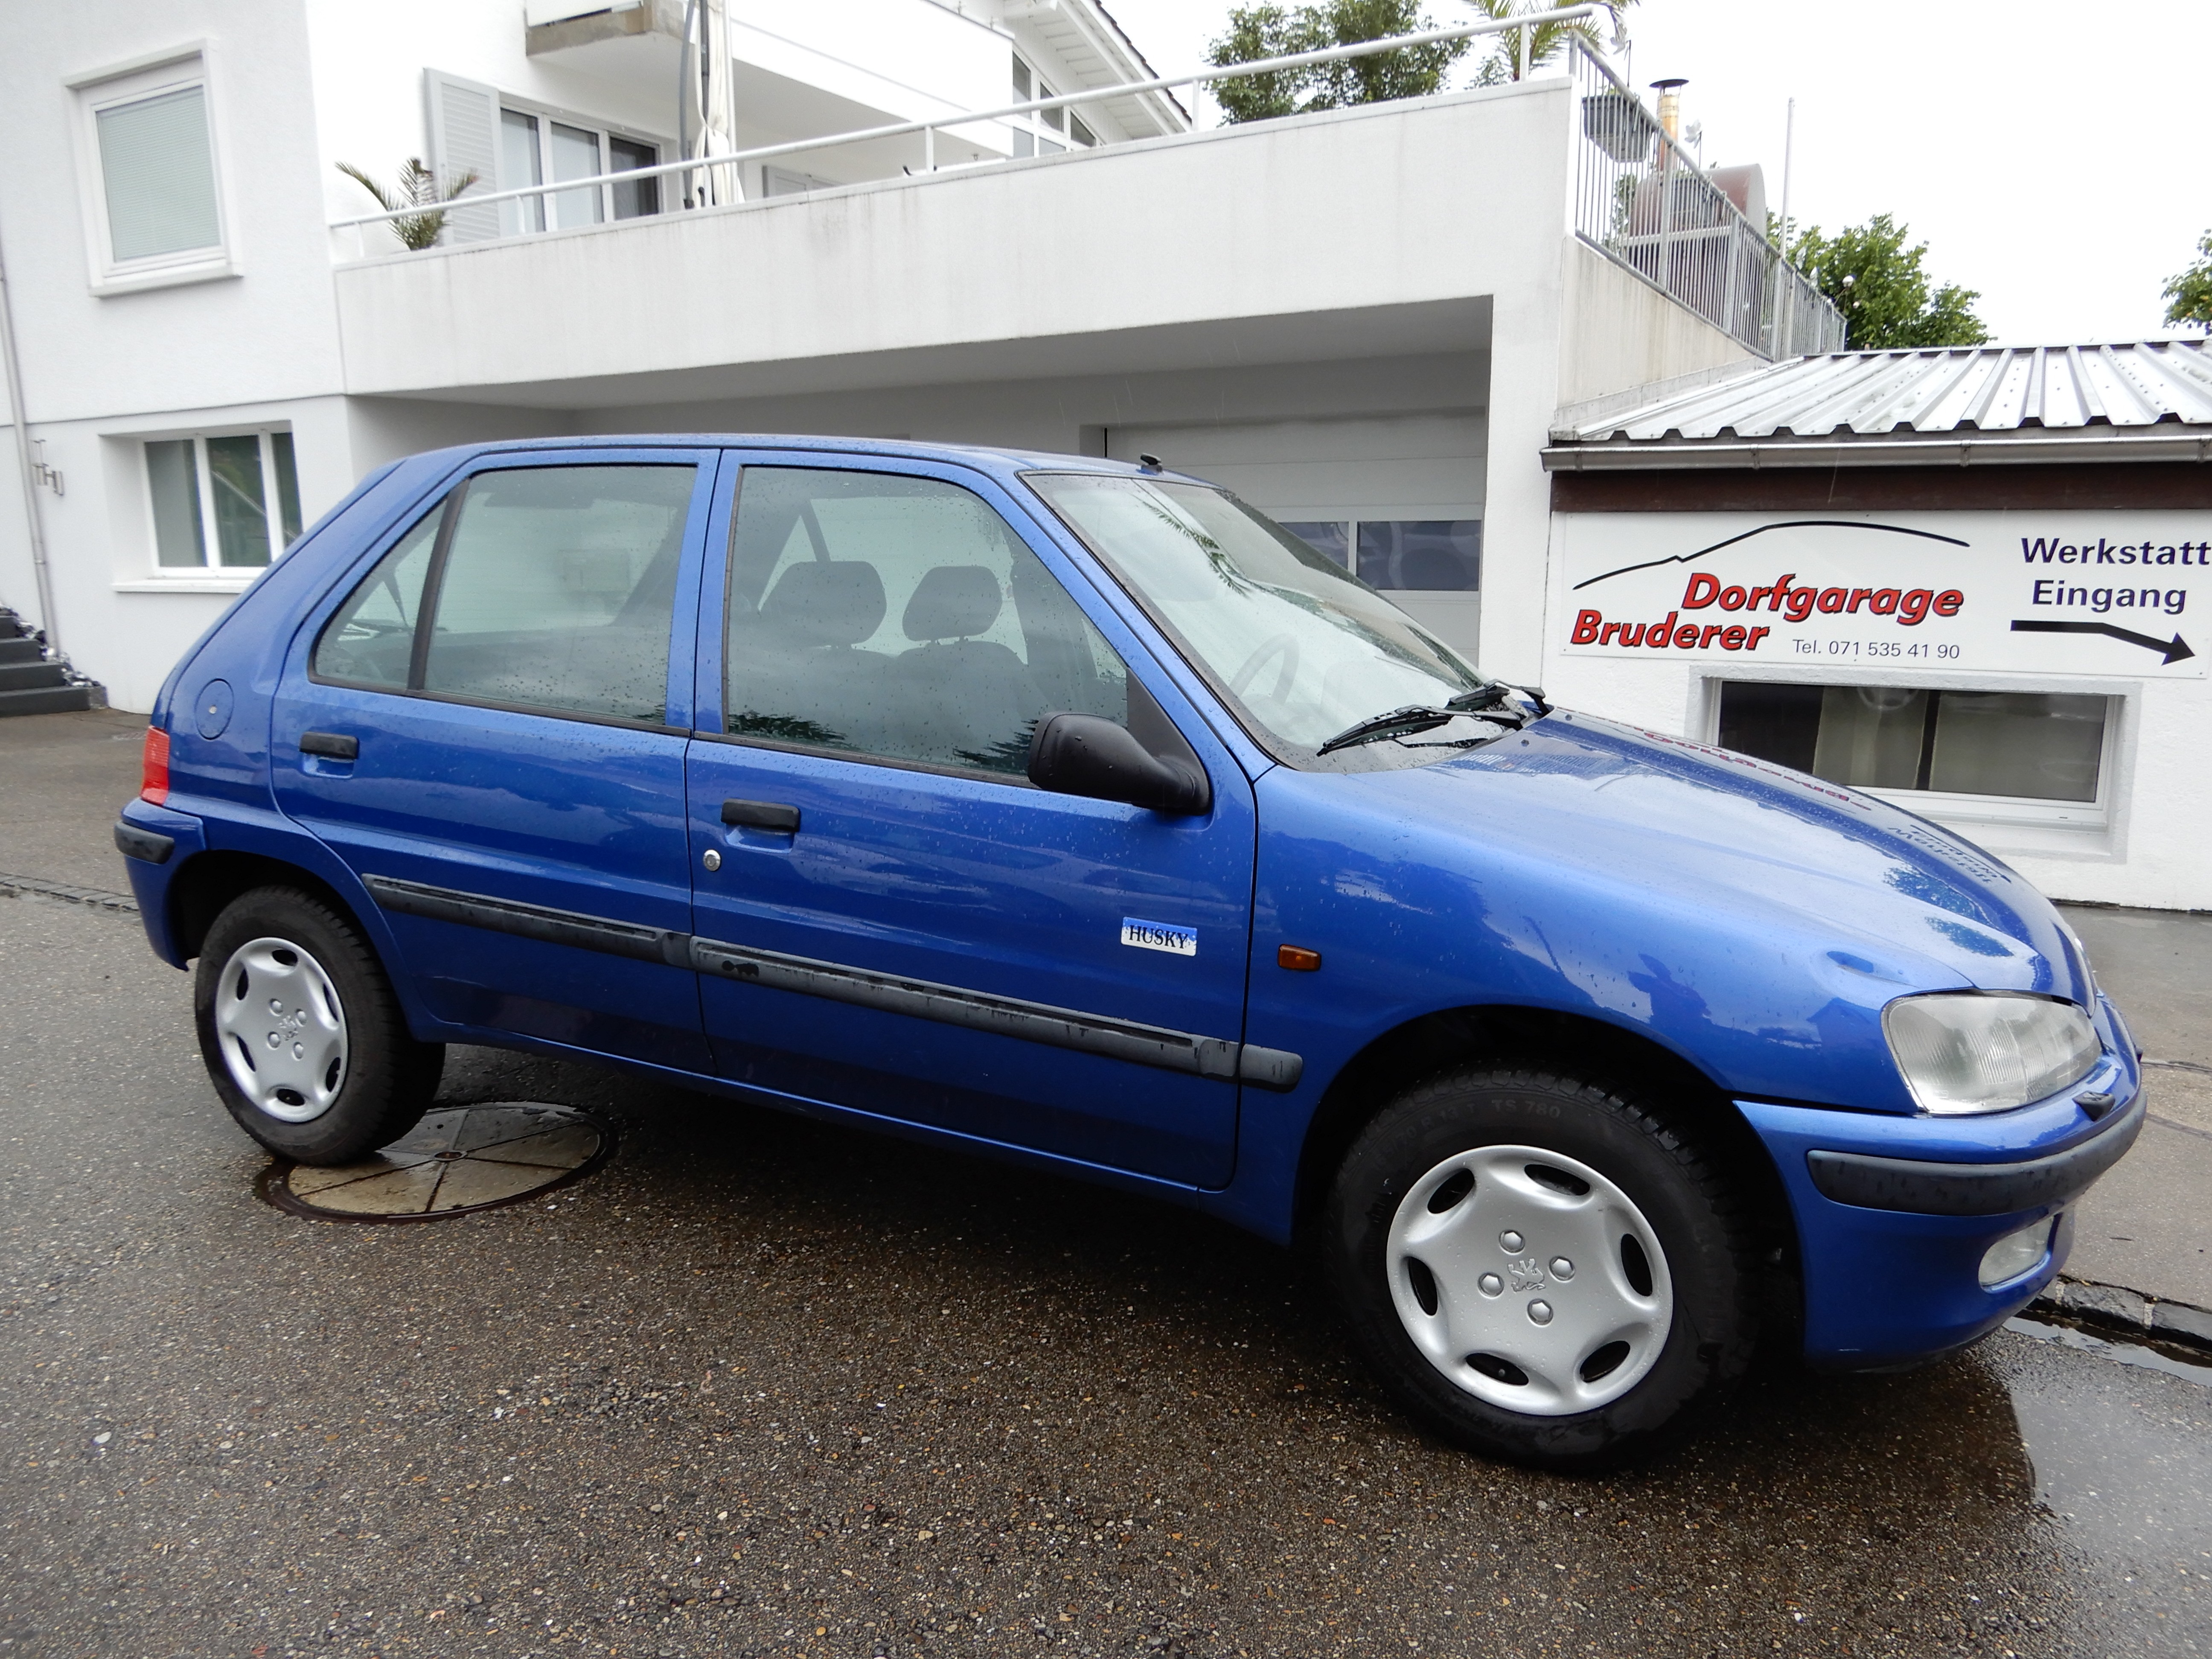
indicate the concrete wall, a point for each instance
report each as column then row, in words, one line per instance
column 1617, row 330
column 860, row 285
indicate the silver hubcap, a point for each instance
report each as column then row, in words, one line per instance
column 1529, row 1279
column 283, row 1031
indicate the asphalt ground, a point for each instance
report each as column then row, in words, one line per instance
column 759, row 1386
column 765, row 1387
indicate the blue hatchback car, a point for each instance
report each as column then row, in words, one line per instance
column 1074, row 812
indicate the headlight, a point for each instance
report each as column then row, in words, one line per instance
column 1965, row 1053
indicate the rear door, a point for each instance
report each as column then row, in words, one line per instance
column 488, row 727
column 890, row 917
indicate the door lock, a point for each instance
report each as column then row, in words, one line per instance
column 712, row 859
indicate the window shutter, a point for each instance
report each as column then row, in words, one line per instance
column 159, row 174
column 465, row 139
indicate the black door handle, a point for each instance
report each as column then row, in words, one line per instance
column 762, row 815
column 332, row 746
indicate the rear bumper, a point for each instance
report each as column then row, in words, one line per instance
column 156, row 844
column 1895, row 1213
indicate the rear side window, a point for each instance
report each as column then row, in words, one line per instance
column 542, row 587
column 901, row 618
column 371, row 639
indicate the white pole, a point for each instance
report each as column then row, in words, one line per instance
column 1788, row 142
column 30, row 475
column 1786, row 278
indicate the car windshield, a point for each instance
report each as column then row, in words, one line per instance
column 1302, row 646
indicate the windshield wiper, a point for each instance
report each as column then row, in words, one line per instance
column 1481, row 704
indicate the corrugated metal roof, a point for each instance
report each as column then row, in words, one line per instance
column 1930, row 395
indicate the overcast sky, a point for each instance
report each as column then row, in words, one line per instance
column 2050, row 155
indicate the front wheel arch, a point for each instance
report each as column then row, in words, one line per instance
column 1501, row 1035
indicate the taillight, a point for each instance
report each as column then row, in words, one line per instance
column 154, row 779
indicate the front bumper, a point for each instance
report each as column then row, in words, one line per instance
column 1893, row 1213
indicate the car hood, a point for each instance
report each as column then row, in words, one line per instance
column 1924, row 907
column 1754, row 919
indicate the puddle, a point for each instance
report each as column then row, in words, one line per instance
column 2122, row 1455
column 2127, row 1353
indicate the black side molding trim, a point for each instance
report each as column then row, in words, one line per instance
column 1897, row 1183
column 950, row 1005
column 332, row 746
column 538, row 921
column 144, row 844
column 1033, row 1022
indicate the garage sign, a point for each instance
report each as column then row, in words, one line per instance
column 2109, row 593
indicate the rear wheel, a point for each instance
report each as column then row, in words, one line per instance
column 1541, row 1268
column 303, row 1033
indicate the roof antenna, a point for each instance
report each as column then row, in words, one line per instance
column 1150, row 463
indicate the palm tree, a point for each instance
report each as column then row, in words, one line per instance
column 417, row 188
column 1546, row 40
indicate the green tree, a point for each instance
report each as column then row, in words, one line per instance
column 1271, row 31
column 417, row 188
column 2189, row 296
column 1887, row 300
column 1546, row 40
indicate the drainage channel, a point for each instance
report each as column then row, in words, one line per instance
column 458, row 1161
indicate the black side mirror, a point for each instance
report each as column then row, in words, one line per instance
column 1084, row 755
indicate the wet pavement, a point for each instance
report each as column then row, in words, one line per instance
column 760, row 1387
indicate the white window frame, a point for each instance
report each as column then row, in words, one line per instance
column 520, row 212
column 174, row 71
column 1972, row 813
column 212, row 569
column 1038, row 126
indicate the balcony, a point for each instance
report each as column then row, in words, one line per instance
column 1179, row 252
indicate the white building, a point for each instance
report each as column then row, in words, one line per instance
column 1977, row 582
column 1368, row 322
column 1343, row 316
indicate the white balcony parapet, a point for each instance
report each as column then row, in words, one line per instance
column 929, row 129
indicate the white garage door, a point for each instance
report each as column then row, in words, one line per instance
column 1398, row 498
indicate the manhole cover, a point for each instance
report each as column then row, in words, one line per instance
column 458, row 1159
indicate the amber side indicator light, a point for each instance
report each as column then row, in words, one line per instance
column 1297, row 959
column 154, row 774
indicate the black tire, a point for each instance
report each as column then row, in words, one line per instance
column 1698, row 1214
column 386, row 1080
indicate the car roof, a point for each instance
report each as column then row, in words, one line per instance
column 989, row 458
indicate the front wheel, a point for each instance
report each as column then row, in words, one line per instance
column 303, row 1033
column 1541, row 1269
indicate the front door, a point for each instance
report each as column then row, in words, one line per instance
column 890, row 916
column 489, row 728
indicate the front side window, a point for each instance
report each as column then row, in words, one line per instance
column 1297, row 644
column 230, row 501
column 540, row 588
column 2024, row 745
column 900, row 618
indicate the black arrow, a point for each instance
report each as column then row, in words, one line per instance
column 2174, row 650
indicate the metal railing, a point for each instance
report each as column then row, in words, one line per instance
column 1644, row 204
column 929, row 129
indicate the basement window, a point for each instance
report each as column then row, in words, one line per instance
column 2045, row 748
column 226, row 500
